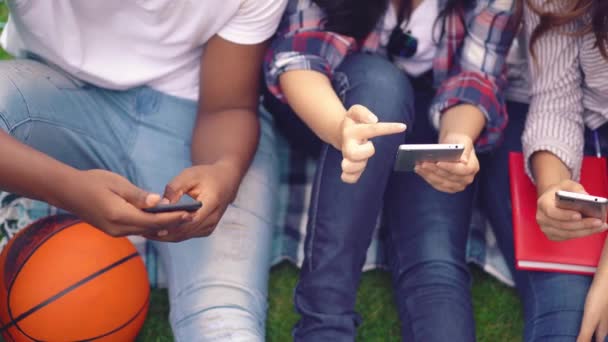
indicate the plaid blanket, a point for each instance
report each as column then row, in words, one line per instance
column 297, row 172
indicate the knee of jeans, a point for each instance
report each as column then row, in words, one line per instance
column 218, row 312
column 375, row 82
column 550, row 314
column 438, row 273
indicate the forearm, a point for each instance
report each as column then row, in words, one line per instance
column 313, row 99
column 30, row 173
column 462, row 119
column 547, row 170
column 228, row 137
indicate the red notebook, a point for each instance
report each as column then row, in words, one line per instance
column 533, row 250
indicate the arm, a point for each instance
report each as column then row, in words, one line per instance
column 595, row 317
column 303, row 45
column 226, row 133
column 469, row 106
column 554, row 134
column 27, row 172
column 478, row 79
column 555, row 119
column 226, row 130
column 312, row 98
column 548, row 170
column 104, row 199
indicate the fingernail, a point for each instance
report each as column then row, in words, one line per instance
column 371, row 118
column 576, row 216
column 598, row 223
column 187, row 217
column 165, row 201
column 152, row 199
column 162, row 233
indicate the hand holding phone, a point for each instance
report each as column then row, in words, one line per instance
column 560, row 215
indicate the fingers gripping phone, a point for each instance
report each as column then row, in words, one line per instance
column 410, row 154
column 587, row 205
column 167, row 208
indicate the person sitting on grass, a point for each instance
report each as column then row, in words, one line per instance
column 569, row 106
column 357, row 73
column 112, row 106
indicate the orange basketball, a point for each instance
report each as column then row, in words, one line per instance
column 63, row 280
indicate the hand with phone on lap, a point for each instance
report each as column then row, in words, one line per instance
column 455, row 175
column 203, row 192
column 563, row 220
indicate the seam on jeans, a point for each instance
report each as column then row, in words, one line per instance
column 534, row 310
column 315, row 202
column 52, row 123
column 21, row 94
column 5, row 121
column 341, row 85
column 130, row 167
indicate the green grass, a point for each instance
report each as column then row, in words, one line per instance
column 497, row 310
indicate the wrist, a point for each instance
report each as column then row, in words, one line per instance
column 62, row 185
column 450, row 137
column 465, row 119
column 232, row 170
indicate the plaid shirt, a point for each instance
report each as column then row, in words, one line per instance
column 469, row 67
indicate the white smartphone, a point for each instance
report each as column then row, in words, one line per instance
column 410, row 154
column 587, row 205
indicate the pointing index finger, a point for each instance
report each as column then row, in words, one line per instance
column 368, row 131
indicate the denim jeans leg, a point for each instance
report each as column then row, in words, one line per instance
column 53, row 113
column 553, row 302
column 343, row 216
column 426, row 239
column 217, row 284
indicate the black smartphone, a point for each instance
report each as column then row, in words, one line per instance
column 166, row 208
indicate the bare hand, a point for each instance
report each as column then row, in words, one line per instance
column 111, row 203
column 360, row 125
column 214, row 185
column 452, row 177
column 595, row 318
column 561, row 224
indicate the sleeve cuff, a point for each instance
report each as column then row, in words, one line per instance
column 288, row 61
column 571, row 158
column 474, row 89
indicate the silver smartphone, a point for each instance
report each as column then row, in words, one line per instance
column 410, row 154
column 587, row 205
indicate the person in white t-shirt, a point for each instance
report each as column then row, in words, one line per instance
column 113, row 106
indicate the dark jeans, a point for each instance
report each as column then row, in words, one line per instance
column 553, row 302
column 426, row 230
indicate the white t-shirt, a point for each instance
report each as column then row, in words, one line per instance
column 120, row 44
column 421, row 25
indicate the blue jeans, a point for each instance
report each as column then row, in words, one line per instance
column 426, row 230
column 553, row 302
column 217, row 285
